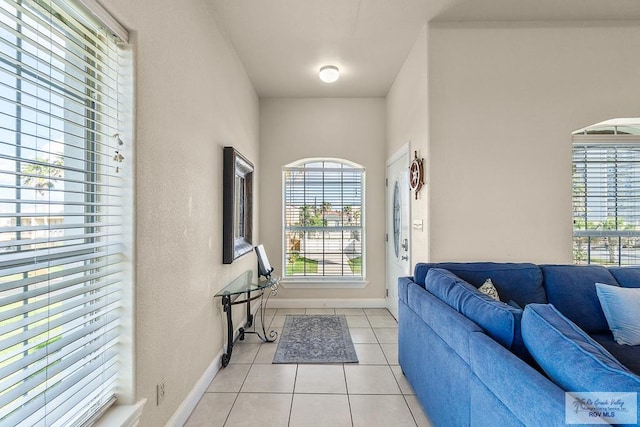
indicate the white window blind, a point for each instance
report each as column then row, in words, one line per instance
column 606, row 199
column 61, row 177
column 323, row 219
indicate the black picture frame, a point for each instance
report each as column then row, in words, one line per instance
column 237, row 215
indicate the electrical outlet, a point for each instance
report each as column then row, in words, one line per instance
column 161, row 391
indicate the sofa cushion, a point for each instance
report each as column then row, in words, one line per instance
column 572, row 290
column 621, row 308
column 520, row 282
column 627, row 277
column 569, row 356
column 497, row 319
column 515, row 384
column 628, row 355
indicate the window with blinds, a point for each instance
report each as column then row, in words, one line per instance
column 62, row 171
column 323, row 220
column 606, row 199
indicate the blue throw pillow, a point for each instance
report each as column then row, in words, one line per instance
column 621, row 307
column 569, row 356
column 499, row 320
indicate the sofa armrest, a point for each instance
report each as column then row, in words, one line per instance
column 452, row 327
column 403, row 286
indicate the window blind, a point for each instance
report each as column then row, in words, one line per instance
column 61, row 207
column 323, row 219
column 606, row 200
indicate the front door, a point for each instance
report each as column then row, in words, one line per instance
column 398, row 231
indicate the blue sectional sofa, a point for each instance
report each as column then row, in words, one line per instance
column 474, row 361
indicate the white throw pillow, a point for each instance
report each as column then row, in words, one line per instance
column 488, row 289
column 621, row 307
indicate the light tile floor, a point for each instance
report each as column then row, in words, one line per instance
column 252, row 391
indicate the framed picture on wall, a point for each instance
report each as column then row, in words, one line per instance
column 237, row 215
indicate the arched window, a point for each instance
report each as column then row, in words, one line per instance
column 323, row 219
column 606, row 193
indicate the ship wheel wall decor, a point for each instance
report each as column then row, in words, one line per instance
column 416, row 174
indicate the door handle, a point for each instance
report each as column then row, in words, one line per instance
column 405, row 244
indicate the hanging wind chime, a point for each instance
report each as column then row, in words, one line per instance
column 118, row 157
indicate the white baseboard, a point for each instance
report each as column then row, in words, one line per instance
column 326, row 303
column 185, row 409
column 183, row 412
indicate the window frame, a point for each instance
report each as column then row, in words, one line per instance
column 325, row 281
column 93, row 18
column 597, row 139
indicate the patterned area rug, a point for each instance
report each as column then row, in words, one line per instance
column 315, row 339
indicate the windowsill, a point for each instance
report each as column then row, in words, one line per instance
column 122, row 415
column 296, row 283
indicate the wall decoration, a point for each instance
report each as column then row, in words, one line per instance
column 118, row 157
column 416, row 174
column 237, row 215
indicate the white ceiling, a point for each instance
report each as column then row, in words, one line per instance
column 283, row 43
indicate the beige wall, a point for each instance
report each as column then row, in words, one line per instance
column 193, row 97
column 503, row 102
column 408, row 122
column 352, row 129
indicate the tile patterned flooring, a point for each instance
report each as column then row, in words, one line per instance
column 373, row 393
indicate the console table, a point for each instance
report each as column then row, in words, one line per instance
column 239, row 292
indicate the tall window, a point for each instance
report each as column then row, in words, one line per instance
column 606, row 194
column 323, row 219
column 62, row 171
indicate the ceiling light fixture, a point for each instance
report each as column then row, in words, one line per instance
column 329, row 73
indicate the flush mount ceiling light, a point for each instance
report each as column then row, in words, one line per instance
column 329, row 73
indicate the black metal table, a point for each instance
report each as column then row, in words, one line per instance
column 239, row 292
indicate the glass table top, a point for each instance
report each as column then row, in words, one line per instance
column 246, row 282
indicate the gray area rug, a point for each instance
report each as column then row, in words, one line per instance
column 315, row 339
